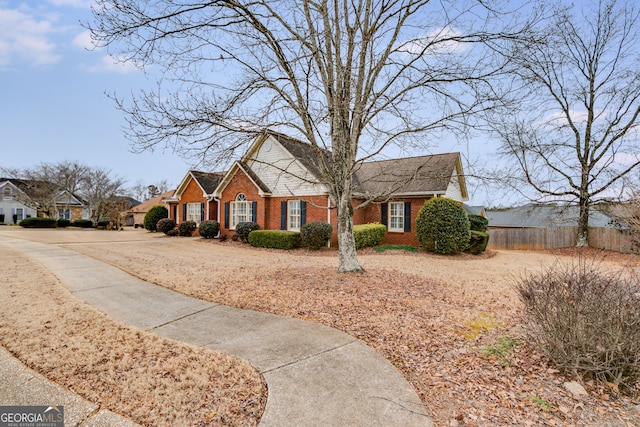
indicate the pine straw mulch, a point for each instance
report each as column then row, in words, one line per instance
column 451, row 325
column 153, row 381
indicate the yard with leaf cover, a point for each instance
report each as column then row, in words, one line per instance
column 450, row 324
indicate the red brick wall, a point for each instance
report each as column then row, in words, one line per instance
column 193, row 194
column 268, row 211
column 268, row 208
column 373, row 213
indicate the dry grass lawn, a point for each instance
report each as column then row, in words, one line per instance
column 451, row 325
column 151, row 380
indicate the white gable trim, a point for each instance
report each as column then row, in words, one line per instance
column 183, row 186
column 217, row 194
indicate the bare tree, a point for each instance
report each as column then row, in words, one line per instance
column 352, row 77
column 101, row 191
column 141, row 191
column 45, row 182
column 574, row 136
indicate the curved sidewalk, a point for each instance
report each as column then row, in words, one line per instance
column 316, row 375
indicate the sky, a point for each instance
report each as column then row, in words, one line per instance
column 53, row 105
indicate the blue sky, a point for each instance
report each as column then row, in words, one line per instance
column 53, row 105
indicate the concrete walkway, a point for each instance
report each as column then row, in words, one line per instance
column 316, row 375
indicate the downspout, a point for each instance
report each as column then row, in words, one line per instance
column 218, row 216
column 329, row 216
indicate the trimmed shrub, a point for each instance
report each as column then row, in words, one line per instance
column 244, row 228
column 165, row 225
column 478, row 242
column 209, row 229
column 442, row 226
column 82, row 223
column 367, row 235
column 586, row 320
column 172, row 233
column 315, row 234
column 102, row 224
column 63, row 223
column 38, row 223
column 186, row 229
column 276, row 239
column 154, row 215
column 478, row 223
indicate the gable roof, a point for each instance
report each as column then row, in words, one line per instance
column 305, row 153
column 543, row 215
column 37, row 189
column 410, row 176
column 148, row 204
column 430, row 174
column 207, row 181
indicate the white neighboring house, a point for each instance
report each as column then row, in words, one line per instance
column 17, row 203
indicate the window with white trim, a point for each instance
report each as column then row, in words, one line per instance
column 64, row 213
column 240, row 211
column 6, row 193
column 194, row 212
column 396, row 216
column 294, row 215
column 19, row 214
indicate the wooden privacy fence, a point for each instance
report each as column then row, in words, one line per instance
column 537, row 238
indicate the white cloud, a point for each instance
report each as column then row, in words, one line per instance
column 83, row 40
column 109, row 64
column 73, row 3
column 438, row 41
column 24, row 37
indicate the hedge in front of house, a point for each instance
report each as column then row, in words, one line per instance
column 478, row 242
column 186, row 229
column 165, row 225
column 82, row 223
column 243, row 229
column 38, row 223
column 209, row 229
column 316, row 234
column 443, row 226
column 62, row 223
column 276, row 239
column 367, row 235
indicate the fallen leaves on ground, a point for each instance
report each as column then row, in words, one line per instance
column 151, row 380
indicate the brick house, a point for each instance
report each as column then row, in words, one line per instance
column 193, row 198
column 278, row 184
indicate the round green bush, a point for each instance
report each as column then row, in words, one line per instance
column 186, row 229
column 165, row 225
column 367, row 235
column 62, row 223
column 316, row 234
column 154, row 215
column 443, row 227
column 209, row 229
column 478, row 223
column 244, row 228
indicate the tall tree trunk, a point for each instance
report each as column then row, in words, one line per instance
column 347, row 256
column 583, row 223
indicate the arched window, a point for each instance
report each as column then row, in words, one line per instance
column 240, row 210
column 6, row 193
